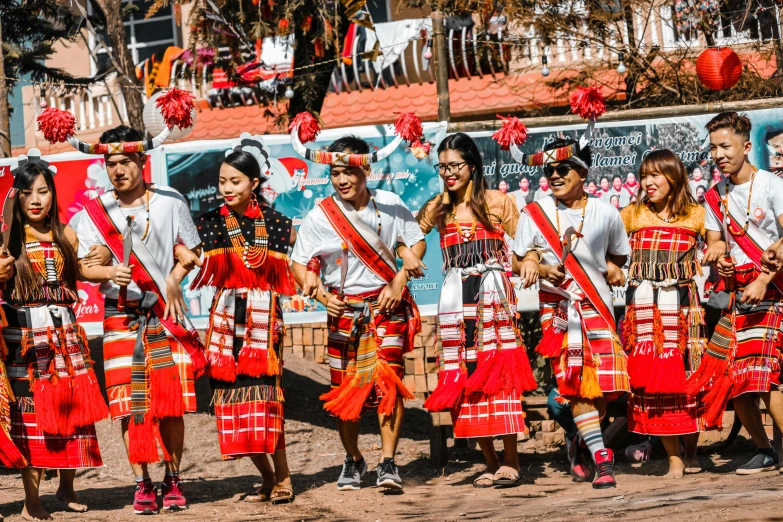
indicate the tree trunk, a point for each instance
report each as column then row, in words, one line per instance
column 441, row 66
column 633, row 75
column 5, row 120
column 123, row 61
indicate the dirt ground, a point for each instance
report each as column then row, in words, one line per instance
column 215, row 489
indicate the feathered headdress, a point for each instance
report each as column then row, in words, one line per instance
column 408, row 127
column 587, row 102
column 175, row 106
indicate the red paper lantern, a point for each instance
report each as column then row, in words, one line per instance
column 719, row 68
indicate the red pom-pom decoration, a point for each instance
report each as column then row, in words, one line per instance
column 176, row 107
column 588, row 102
column 408, row 127
column 718, row 68
column 308, row 126
column 512, row 132
column 56, row 125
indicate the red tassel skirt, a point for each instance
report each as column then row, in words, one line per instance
column 76, row 451
column 392, row 331
column 118, row 344
column 249, row 411
column 479, row 414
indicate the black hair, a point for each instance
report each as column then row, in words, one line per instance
column 119, row 134
column 617, row 177
column 351, row 145
column 584, row 154
column 247, row 164
column 26, row 281
column 467, row 148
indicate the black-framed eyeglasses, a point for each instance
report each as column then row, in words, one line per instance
column 562, row 169
column 452, row 168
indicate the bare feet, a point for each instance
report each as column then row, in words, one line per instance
column 692, row 464
column 35, row 512
column 71, row 501
column 676, row 468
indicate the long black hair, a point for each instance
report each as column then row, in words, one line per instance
column 247, row 164
column 26, row 280
column 467, row 148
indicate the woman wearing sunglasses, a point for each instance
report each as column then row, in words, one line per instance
column 483, row 364
column 663, row 329
column 575, row 245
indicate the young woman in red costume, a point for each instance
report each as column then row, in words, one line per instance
column 245, row 246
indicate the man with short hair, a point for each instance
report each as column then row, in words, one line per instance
column 351, row 238
column 576, row 245
column 150, row 351
column 544, row 189
column 742, row 360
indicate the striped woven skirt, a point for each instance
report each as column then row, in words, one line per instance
column 249, row 411
column 678, row 327
column 118, row 343
column 478, row 414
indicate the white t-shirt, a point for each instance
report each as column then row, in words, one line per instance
column 520, row 198
column 541, row 194
column 625, row 197
column 766, row 203
column 603, row 230
column 693, row 185
column 316, row 237
column 170, row 224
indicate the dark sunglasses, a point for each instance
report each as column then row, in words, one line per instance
column 562, row 170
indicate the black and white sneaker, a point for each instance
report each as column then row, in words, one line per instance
column 388, row 475
column 764, row 460
column 351, row 475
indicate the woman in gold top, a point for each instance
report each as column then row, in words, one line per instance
column 483, row 365
column 663, row 330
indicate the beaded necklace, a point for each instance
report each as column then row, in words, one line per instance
column 47, row 264
column 725, row 201
column 581, row 220
column 146, row 207
column 253, row 255
column 652, row 209
column 466, row 235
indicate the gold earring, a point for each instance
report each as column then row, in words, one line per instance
column 467, row 192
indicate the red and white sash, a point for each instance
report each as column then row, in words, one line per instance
column 105, row 213
column 580, row 266
column 755, row 241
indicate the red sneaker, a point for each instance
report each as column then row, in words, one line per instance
column 580, row 470
column 173, row 496
column 604, row 467
column 145, row 498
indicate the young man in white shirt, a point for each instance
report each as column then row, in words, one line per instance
column 576, row 302
column 522, row 196
column 371, row 313
column 617, row 190
column 742, row 360
column 149, row 354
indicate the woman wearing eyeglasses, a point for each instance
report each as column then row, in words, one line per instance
column 483, row 364
column 576, row 245
column 663, row 330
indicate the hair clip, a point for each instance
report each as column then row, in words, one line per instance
column 33, row 156
column 253, row 145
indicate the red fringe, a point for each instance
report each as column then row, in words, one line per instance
column 347, row 401
column 62, row 406
column 89, row 406
column 143, row 440
column 511, row 373
column 391, row 387
column 222, row 367
column 308, row 127
column 228, row 271
column 10, row 456
column 45, row 411
column 408, row 127
column 714, row 373
column 448, row 393
column 667, row 374
column 253, row 362
column 659, row 336
column 571, row 384
column 588, row 102
column 551, row 345
column 166, row 393
column 640, row 361
column 56, row 125
column 176, row 107
column 512, row 132
column 485, row 367
column 629, row 328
